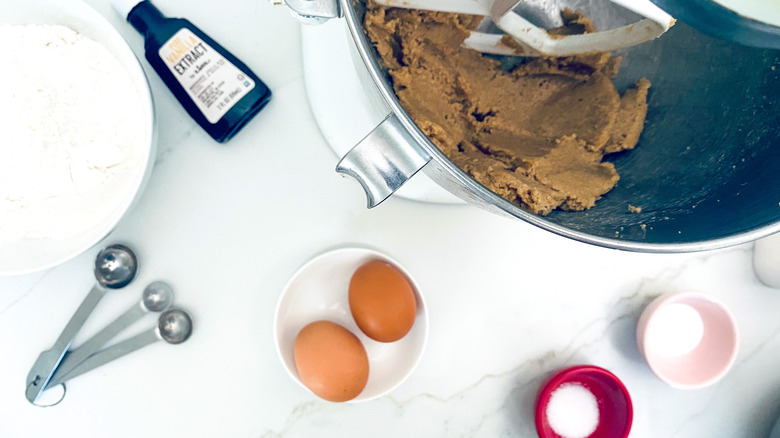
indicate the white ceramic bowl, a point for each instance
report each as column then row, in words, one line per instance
column 711, row 358
column 28, row 255
column 319, row 291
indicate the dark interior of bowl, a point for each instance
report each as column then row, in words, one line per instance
column 707, row 162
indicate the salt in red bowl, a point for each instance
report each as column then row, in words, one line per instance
column 616, row 412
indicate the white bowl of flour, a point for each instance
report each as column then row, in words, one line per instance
column 78, row 132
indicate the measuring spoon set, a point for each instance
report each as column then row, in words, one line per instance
column 115, row 267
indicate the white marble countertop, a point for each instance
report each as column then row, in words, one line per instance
column 227, row 225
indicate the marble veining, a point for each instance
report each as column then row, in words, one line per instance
column 227, row 225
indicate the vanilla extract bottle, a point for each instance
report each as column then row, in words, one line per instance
column 218, row 90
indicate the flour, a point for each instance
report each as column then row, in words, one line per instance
column 72, row 133
column 675, row 330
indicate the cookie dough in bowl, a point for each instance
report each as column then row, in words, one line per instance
column 535, row 133
column 700, row 177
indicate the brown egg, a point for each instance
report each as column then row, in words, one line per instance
column 331, row 361
column 382, row 301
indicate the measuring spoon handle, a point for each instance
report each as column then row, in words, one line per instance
column 113, row 352
column 93, row 344
column 44, row 367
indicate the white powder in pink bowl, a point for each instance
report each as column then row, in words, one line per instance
column 573, row 411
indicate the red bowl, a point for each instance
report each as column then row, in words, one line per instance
column 615, row 410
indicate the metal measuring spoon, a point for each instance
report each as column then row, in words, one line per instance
column 174, row 327
column 115, row 268
column 157, row 297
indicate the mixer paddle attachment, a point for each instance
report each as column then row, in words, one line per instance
column 528, row 39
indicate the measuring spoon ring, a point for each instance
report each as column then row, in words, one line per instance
column 115, row 268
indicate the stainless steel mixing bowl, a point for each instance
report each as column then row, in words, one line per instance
column 704, row 171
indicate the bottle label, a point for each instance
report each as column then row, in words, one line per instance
column 211, row 81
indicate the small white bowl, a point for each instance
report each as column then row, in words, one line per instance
column 711, row 358
column 319, row 291
column 23, row 256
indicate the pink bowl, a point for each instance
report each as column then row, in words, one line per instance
column 710, row 360
column 616, row 412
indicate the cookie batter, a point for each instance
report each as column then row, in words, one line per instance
column 535, row 134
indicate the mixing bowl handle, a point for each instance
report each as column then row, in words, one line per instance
column 384, row 160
